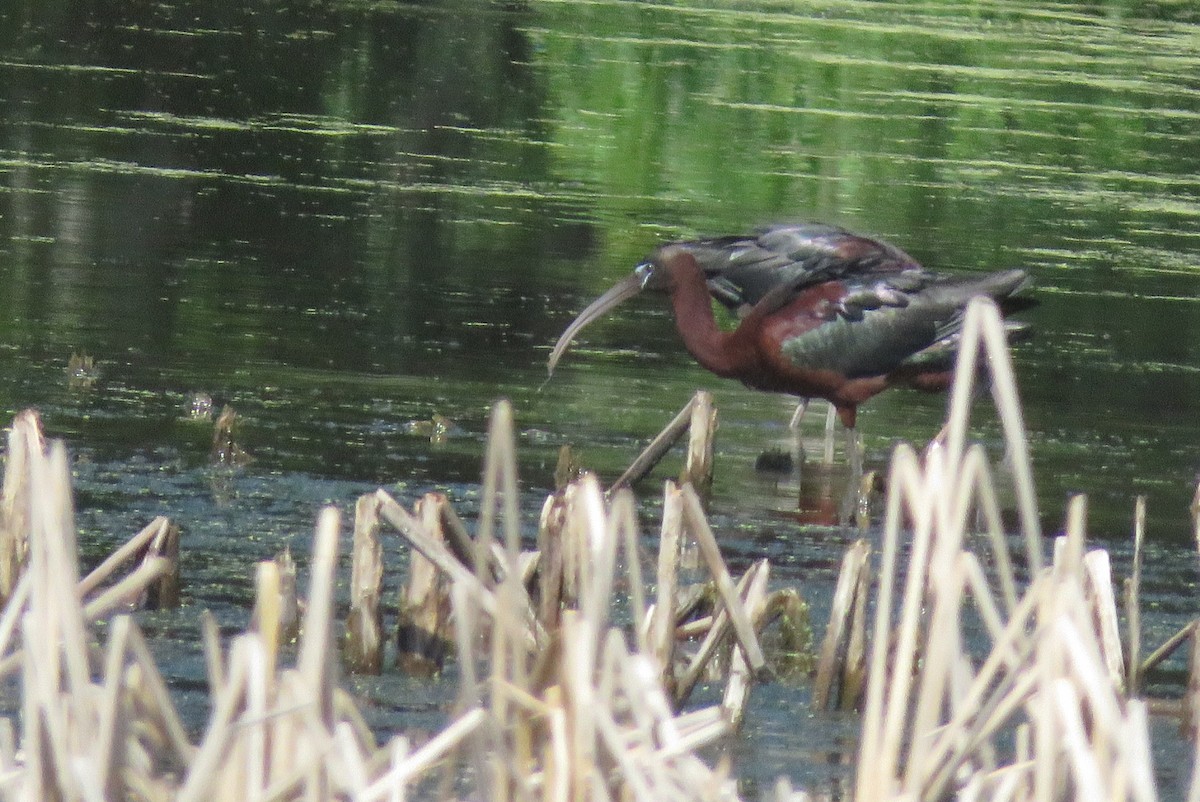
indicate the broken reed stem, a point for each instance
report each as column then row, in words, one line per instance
column 997, row 686
column 126, row 552
column 1168, row 647
column 499, row 490
column 662, row 621
column 747, row 638
column 657, row 449
column 551, row 548
column 267, row 616
column 128, row 590
column 56, row 665
column 363, row 646
column 1196, row 515
column 623, row 518
column 437, row 553
column 718, row 628
column 983, row 325
column 392, row 783
column 422, row 617
column 165, row 592
column 1194, row 785
column 599, row 551
column 211, row 752
column 855, row 664
column 977, row 474
column 457, row 537
column 1098, row 591
column 127, row 641
column 1133, row 603
column 10, row 619
column 26, row 444
column 842, row 611
column 737, row 687
column 121, row 595
column 54, row 607
column 886, row 702
column 1191, row 706
column 698, row 467
column 315, row 661
column 514, row 628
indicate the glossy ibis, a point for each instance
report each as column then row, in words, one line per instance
column 824, row 312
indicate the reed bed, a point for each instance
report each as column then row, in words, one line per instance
column 571, row 690
column 1044, row 713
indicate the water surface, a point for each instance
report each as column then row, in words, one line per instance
column 342, row 218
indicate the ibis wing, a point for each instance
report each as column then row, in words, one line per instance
column 924, row 329
column 874, row 344
column 741, row 271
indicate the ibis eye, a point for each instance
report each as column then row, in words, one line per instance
column 653, row 276
column 644, row 272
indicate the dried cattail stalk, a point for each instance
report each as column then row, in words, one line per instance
column 363, row 644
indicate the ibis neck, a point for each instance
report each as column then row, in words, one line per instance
column 714, row 349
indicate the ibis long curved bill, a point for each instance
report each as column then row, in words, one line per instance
column 618, row 294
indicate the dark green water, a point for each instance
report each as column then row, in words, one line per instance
column 342, row 218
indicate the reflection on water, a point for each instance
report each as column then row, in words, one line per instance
column 344, row 219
